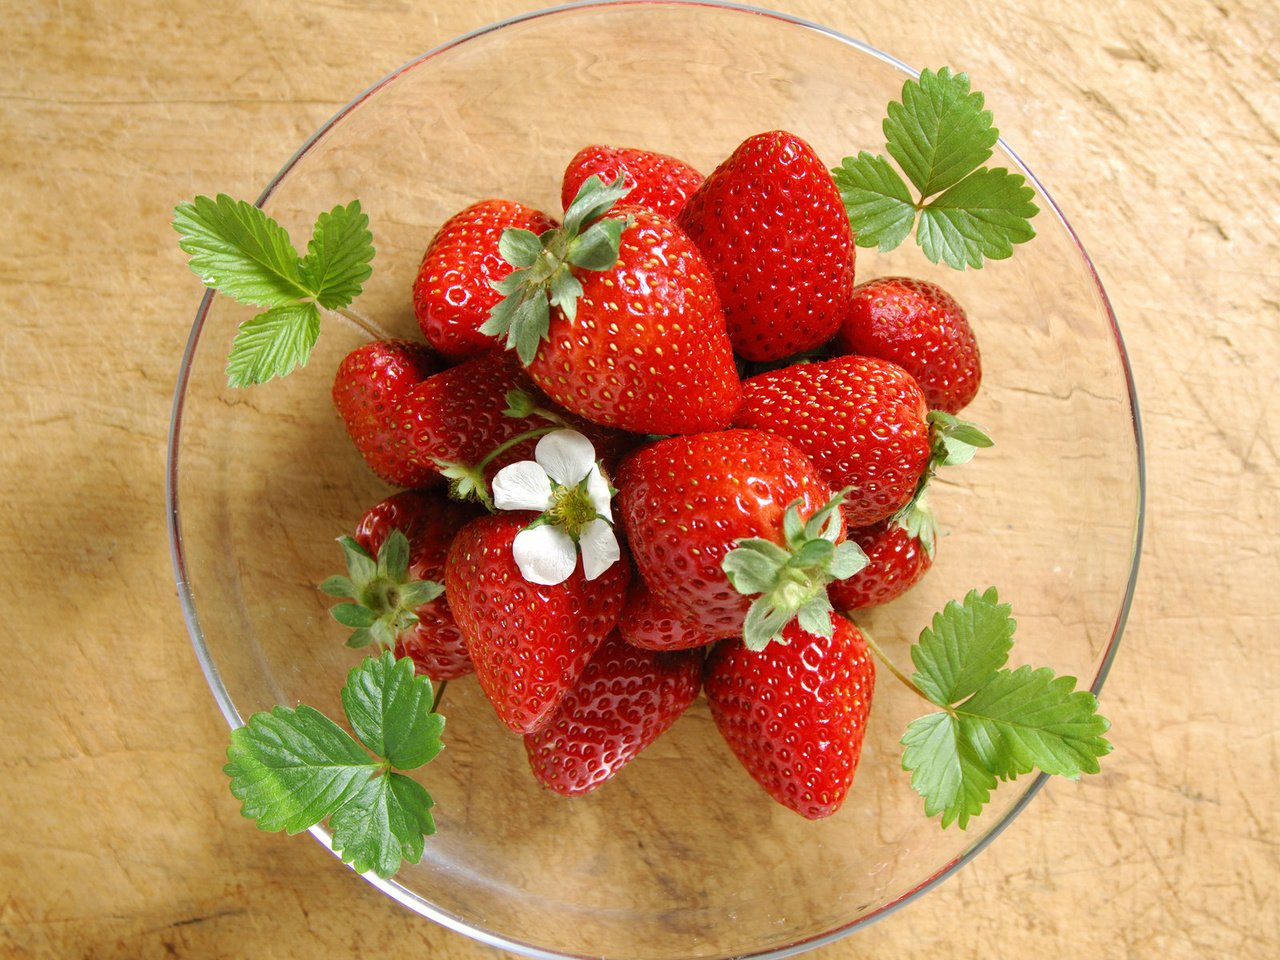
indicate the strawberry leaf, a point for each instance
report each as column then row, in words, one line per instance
column 240, row 251
column 965, row 646
column 938, row 132
column 995, row 723
column 272, row 344
column 291, row 768
column 337, row 261
column 877, row 201
column 983, row 215
column 389, row 708
column 384, row 826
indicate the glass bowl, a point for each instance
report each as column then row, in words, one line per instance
column 682, row 855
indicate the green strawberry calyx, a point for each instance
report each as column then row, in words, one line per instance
column 384, row 597
column 790, row 582
column 952, row 442
column 919, row 522
column 545, row 263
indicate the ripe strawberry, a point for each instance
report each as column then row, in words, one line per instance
column 861, row 420
column 773, row 230
column 457, row 417
column 616, row 318
column 529, row 642
column 624, row 700
column 656, row 181
column 920, row 327
column 685, row 502
column 795, row 713
column 453, row 293
column 369, row 383
column 899, row 552
column 649, row 623
column 429, row 520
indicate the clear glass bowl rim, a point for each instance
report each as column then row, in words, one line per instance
column 221, row 695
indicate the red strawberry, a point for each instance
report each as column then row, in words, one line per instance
column 457, row 417
column 795, row 713
column 369, row 383
column 685, row 502
column 651, row 624
column 899, row 552
column 861, row 420
column 773, row 230
column 429, row 521
column 920, row 327
column 529, row 642
column 453, row 293
column 656, row 181
column 625, row 699
column 616, row 318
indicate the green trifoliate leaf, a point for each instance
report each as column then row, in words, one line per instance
column 938, row 132
column 996, row 723
column 878, row 203
column 384, row 826
column 1026, row 719
column 389, row 708
column 965, row 646
column 291, row 768
column 337, row 261
column 945, row 769
column 982, row 216
column 240, row 251
column 272, row 344
column 519, row 247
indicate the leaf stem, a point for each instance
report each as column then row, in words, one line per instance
column 518, row 439
column 893, row 667
column 435, row 702
column 359, row 322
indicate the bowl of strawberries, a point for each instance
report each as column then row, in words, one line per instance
column 605, row 487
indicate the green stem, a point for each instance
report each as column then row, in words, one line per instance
column 361, row 323
column 518, row 439
column 439, row 695
column 893, row 667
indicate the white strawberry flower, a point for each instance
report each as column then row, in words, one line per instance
column 564, row 484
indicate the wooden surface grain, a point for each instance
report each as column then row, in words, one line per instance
column 1156, row 125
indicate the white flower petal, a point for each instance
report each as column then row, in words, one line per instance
column 545, row 554
column 599, row 548
column 566, row 455
column 598, row 490
column 522, row 486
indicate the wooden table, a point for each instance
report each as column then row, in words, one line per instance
column 1155, row 122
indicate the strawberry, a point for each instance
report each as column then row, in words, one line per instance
column 616, row 318
column 899, row 552
column 369, row 383
column 625, row 699
column 920, row 327
column 795, row 713
column 652, row 624
column 861, row 420
column 529, row 642
column 686, row 502
column 453, row 292
column 429, row 520
column 773, row 230
column 656, row 181
column 455, row 420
